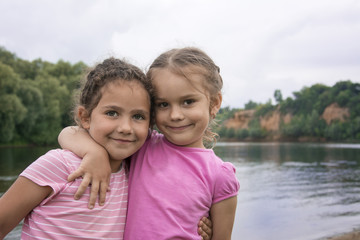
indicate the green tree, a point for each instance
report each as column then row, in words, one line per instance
column 221, row 131
column 32, row 98
column 263, row 109
column 55, row 98
column 230, row 133
column 11, row 113
column 251, row 105
column 242, row 133
column 255, row 130
column 296, row 128
column 314, row 126
column 278, row 96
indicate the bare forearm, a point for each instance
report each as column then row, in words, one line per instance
column 222, row 216
column 18, row 201
column 79, row 142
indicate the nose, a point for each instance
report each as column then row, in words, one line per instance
column 124, row 126
column 176, row 113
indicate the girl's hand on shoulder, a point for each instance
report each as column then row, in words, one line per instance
column 94, row 168
column 205, row 228
column 96, row 173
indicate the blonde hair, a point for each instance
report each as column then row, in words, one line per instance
column 179, row 60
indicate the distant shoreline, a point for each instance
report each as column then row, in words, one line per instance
column 354, row 235
column 228, row 140
column 280, row 140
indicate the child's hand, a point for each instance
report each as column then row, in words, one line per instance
column 94, row 173
column 205, row 228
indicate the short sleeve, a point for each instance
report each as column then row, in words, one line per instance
column 226, row 185
column 50, row 170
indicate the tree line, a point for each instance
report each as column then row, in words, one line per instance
column 35, row 98
column 36, row 101
column 306, row 108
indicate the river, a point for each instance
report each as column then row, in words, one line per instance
column 290, row 191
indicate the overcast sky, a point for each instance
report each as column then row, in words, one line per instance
column 260, row 45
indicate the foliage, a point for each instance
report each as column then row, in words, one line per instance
column 36, row 101
column 278, row 96
column 306, row 108
column 35, row 98
column 251, row 105
column 255, row 130
column 226, row 113
column 263, row 109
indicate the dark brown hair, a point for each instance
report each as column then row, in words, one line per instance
column 110, row 70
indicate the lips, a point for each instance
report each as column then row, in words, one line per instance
column 179, row 128
column 123, row 140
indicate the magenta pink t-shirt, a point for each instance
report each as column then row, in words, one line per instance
column 60, row 216
column 172, row 187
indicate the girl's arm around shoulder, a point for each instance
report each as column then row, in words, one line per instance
column 95, row 166
column 23, row 196
column 222, row 215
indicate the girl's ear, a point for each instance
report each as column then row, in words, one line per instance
column 84, row 117
column 216, row 104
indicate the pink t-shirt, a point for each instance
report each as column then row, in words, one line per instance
column 60, row 216
column 172, row 187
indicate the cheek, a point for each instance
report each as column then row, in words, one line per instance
column 158, row 116
column 142, row 129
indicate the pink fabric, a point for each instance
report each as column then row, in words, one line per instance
column 172, row 187
column 62, row 217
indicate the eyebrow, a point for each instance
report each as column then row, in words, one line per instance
column 182, row 97
column 142, row 111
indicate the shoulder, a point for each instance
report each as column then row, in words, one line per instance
column 154, row 139
column 155, row 136
column 52, row 169
column 56, row 160
column 226, row 182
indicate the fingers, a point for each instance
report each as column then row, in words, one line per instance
column 104, row 187
column 207, row 222
column 77, row 173
column 82, row 188
column 203, row 234
column 205, row 228
column 93, row 193
column 98, row 187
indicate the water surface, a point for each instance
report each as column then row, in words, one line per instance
column 297, row 191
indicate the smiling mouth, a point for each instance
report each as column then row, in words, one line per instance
column 124, row 140
column 180, row 128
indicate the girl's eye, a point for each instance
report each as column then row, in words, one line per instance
column 112, row 114
column 139, row 117
column 162, row 104
column 188, row 101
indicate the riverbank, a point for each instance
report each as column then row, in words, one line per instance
column 354, row 235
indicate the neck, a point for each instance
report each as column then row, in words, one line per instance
column 115, row 165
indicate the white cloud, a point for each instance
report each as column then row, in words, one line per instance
column 259, row 45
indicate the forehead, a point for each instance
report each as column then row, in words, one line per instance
column 121, row 83
column 124, row 88
column 191, row 76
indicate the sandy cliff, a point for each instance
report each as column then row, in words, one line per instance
column 271, row 122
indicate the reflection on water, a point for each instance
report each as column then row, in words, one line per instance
column 295, row 191
column 288, row 190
